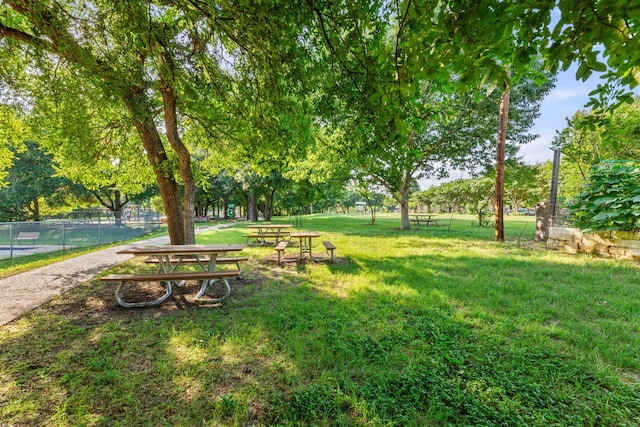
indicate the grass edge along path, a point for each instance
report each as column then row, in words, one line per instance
column 423, row 327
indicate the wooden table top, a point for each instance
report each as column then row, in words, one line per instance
column 181, row 249
column 270, row 226
column 305, row 234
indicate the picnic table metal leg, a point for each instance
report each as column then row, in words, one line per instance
column 306, row 247
column 153, row 303
column 207, row 283
column 165, row 266
column 203, row 289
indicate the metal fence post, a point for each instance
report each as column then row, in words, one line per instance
column 10, row 241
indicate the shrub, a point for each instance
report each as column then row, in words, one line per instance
column 611, row 200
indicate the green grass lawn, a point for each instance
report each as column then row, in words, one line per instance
column 432, row 326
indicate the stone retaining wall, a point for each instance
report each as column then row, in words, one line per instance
column 616, row 244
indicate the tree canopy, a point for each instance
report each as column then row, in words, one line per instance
column 245, row 74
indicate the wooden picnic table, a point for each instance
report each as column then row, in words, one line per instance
column 306, row 242
column 424, row 220
column 170, row 258
column 265, row 232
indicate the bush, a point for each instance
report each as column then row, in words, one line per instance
column 611, row 200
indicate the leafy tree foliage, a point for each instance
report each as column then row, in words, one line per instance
column 584, row 145
column 347, row 200
column 92, row 141
column 32, row 179
column 371, row 193
column 611, row 200
column 524, row 186
column 477, row 39
column 171, row 58
column 238, row 71
column 12, row 135
column 478, row 194
column 214, row 189
column 398, row 120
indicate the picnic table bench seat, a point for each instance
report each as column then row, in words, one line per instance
column 280, row 247
column 233, row 260
column 269, row 234
column 428, row 222
column 27, row 235
column 329, row 248
column 166, row 279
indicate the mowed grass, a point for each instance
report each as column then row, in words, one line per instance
column 432, row 326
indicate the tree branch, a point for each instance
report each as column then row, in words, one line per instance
column 12, row 33
column 325, row 35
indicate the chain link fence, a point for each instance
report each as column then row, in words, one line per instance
column 26, row 238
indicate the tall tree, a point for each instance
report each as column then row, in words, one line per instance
column 125, row 49
column 160, row 61
column 400, row 123
column 501, row 149
column 522, row 186
column 92, row 140
column 32, row 179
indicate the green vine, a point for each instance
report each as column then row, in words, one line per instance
column 611, row 200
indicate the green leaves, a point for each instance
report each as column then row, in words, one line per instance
column 611, row 200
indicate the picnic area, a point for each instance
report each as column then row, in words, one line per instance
column 431, row 326
column 319, row 213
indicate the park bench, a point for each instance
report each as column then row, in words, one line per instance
column 280, row 247
column 27, row 235
column 329, row 248
column 203, row 261
column 207, row 278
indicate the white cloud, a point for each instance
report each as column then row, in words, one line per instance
column 538, row 151
column 564, row 94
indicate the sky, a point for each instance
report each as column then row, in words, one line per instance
column 569, row 96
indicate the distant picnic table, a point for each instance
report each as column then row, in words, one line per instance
column 425, row 220
column 266, row 234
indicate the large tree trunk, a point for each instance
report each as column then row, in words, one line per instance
column 169, row 190
column 184, row 162
column 36, row 210
column 252, row 205
column 268, row 204
column 404, row 209
column 404, row 191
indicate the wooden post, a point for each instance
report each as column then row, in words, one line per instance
column 502, row 137
column 553, row 197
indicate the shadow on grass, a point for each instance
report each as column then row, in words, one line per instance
column 434, row 339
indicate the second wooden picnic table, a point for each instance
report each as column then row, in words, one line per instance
column 306, row 242
column 267, row 234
